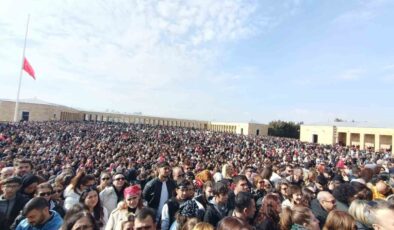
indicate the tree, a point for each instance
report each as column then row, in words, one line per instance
column 284, row 129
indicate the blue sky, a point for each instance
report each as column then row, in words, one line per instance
column 241, row 60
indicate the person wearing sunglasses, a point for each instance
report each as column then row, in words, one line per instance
column 45, row 191
column 105, row 181
column 322, row 206
column 112, row 195
column 130, row 206
column 57, row 195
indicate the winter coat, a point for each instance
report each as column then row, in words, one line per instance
column 55, row 222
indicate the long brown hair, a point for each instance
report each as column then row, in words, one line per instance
column 339, row 220
column 269, row 209
column 297, row 215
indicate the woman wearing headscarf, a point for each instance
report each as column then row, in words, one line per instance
column 132, row 203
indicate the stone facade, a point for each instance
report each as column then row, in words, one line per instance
column 42, row 111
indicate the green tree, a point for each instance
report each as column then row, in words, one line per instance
column 284, row 129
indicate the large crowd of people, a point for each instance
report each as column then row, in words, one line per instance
column 103, row 175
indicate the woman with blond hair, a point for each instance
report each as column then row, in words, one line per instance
column 227, row 173
column 356, row 210
column 337, row 219
column 203, row 226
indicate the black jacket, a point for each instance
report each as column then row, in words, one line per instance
column 20, row 201
column 212, row 215
column 152, row 191
column 320, row 213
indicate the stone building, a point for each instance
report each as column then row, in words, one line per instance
column 37, row 110
column 362, row 135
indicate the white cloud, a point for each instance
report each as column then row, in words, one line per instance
column 126, row 55
column 363, row 13
column 351, row 74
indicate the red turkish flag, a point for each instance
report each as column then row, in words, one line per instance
column 27, row 67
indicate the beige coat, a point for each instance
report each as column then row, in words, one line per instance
column 117, row 217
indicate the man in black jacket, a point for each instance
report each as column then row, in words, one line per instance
column 241, row 185
column 170, row 208
column 158, row 190
column 217, row 207
column 11, row 202
column 322, row 205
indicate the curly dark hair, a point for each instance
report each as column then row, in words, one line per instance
column 344, row 193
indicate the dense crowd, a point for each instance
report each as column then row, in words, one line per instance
column 101, row 175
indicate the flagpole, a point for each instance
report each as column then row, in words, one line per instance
column 21, row 72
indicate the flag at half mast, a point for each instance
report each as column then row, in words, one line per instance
column 27, row 67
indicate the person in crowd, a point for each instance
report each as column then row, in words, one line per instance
column 240, row 185
column 295, row 197
column 203, row 226
column 233, row 223
column 57, row 195
column 258, row 191
column 177, row 174
column 307, row 196
column 362, row 191
column 356, row 210
column 288, row 172
column 282, row 188
column 298, row 218
column 245, row 207
column 206, row 194
column 90, row 199
column 380, row 190
column 110, row 196
column 183, row 193
column 11, row 202
column 379, row 214
column 77, row 217
column 45, row 190
column 29, row 185
column 22, row 167
column 38, row 216
column 190, row 223
column 132, row 204
column 128, row 224
column 227, row 173
column 187, row 210
column 249, row 171
column 268, row 214
column 297, row 177
column 158, row 190
column 78, row 184
column 6, row 172
column 105, row 181
column 217, row 208
column 344, row 195
column 322, row 206
column 339, row 220
column 145, row 219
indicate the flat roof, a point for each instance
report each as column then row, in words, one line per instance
column 355, row 124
